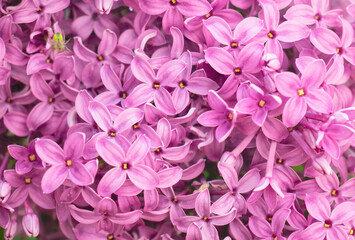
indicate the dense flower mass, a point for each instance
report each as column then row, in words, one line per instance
column 177, row 119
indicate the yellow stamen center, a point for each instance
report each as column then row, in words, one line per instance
column 173, row 2
column 351, row 232
column 275, row 238
column 334, row 192
column 136, row 126
column 316, row 17
column 326, row 225
column 100, row 58
column 48, row 60
column 32, row 157
column 50, row 99
column 230, row 116
column 125, row 166
column 205, row 218
column 234, row 44
column 300, row 92
column 28, row 180
column 156, row 85
column 8, row 99
column 181, row 85
column 123, row 95
column 175, row 200
column 112, row 134
column 261, row 103
column 110, row 237
column 158, row 150
column 270, row 35
column 237, row 70
column 269, row 219
column 69, row 163
column 208, row 15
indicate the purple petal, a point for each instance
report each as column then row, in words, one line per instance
column 154, row 7
column 164, row 101
column 229, row 175
column 74, row 145
column 15, row 122
column 141, row 94
column 313, row 75
column 169, row 71
column 194, row 8
column 279, row 219
column 260, row 227
column 193, row 232
column 249, row 181
column 177, row 153
column 223, row 219
column 40, row 114
column 301, row 13
column 169, row 177
column 211, row 118
column 36, row 63
column 287, row 83
column 142, row 70
column 84, row 216
column 343, row 213
column 40, row 88
column 126, row 218
column 110, row 79
column 319, row 101
column 128, row 118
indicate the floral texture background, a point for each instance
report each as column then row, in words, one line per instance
column 177, row 119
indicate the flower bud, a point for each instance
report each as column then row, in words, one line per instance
column 271, row 62
column 5, row 191
column 11, row 229
column 30, row 224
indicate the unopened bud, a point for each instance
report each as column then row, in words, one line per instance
column 30, row 224
column 271, row 62
column 5, row 191
column 11, row 229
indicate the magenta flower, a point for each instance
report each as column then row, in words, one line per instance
column 327, row 224
column 258, row 104
column 328, row 42
column 303, row 92
column 316, row 13
column 262, row 229
column 243, row 33
column 221, row 116
column 126, row 163
column 105, row 214
column 65, row 163
column 205, row 220
column 175, row 10
column 153, row 85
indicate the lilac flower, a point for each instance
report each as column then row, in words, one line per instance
column 328, row 224
column 222, row 116
column 153, row 85
column 258, row 104
column 174, row 10
column 303, row 92
column 204, row 220
column 105, row 214
column 126, row 163
column 328, row 42
column 65, row 163
column 26, row 157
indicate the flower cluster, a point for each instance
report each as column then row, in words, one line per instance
column 177, row 119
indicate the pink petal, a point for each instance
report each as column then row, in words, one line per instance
column 201, row 85
column 319, row 101
column 249, row 57
column 154, row 7
column 336, row 233
column 223, row 219
column 111, row 152
column 219, row 29
column 108, row 43
column 36, row 63
column 128, row 118
column 84, row 216
column 16, row 123
column 285, row 34
column 169, row 71
column 279, row 219
column 74, row 145
column 143, row 177
column 143, row 93
column 40, row 87
column 82, row 26
column 40, row 114
column 301, row 13
column 164, row 101
column 82, row 52
column 80, row 175
column 249, row 181
column 343, row 213
column 260, row 227
column 169, row 177
column 138, row 150
column 247, row 29
column 313, row 75
column 111, row 181
column 318, row 206
column 101, row 115
column 287, row 83
column 223, row 131
column 229, row 175
column 294, row 110
column 202, row 204
column 53, row 178
column 126, row 218
column 325, row 40
column 221, row 60
column 194, row 8
column 177, row 153
column 271, row 15
column 50, row 152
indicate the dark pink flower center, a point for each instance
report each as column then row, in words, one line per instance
column 112, row 133
column 271, row 34
column 156, row 85
column 328, row 223
column 237, row 71
column 135, row 126
column 234, row 45
column 340, row 50
column 110, row 237
column 32, row 157
column 123, row 95
column 261, row 103
column 173, row 2
column 182, row 84
column 28, row 180
column 301, row 92
column 100, row 58
column 334, row 193
column 125, row 166
column 318, row 17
